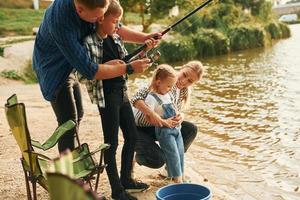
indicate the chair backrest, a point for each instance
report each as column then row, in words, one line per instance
column 63, row 187
column 16, row 117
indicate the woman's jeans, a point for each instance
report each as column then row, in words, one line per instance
column 118, row 113
column 149, row 153
column 68, row 106
column 171, row 143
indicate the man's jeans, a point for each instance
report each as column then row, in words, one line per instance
column 68, row 106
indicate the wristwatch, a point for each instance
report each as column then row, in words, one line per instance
column 129, row 69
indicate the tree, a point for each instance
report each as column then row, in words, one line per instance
column 150, row 10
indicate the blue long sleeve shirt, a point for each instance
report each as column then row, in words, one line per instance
column 59, row 48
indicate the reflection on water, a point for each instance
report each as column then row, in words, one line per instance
column 247, row 109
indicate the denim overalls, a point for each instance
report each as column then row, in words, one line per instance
column 170, row 141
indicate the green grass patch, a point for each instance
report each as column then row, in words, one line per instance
column 11, row 74
column 27, row 74
column 19, row 21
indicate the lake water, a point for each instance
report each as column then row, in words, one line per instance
column 247, row 109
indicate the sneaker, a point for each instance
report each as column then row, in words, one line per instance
column 124, row 196
column 135, row 186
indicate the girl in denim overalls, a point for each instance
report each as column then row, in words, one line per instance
column 161, row 101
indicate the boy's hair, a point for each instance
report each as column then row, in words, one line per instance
column 114, row 8
column 92, row 4
column 162, row 72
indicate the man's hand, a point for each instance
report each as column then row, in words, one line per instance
column 115, row 62
column 140, row 65
column 156, row 36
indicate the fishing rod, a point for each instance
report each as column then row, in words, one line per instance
column 141, row 48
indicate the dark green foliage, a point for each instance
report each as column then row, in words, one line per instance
column 286, row 32
column 245, row 37
column 180, row 49
column 278, row 30
column 274, row 30
column 209, row 42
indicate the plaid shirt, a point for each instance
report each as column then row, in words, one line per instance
column 94, row 45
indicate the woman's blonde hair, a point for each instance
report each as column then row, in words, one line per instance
column 196, row 66
column 162, row 72
column 114, row 8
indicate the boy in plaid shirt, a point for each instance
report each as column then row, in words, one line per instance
column 110, row 95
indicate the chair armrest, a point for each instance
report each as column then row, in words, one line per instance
column 39, row 155
column 53, row 139
column 102, row 147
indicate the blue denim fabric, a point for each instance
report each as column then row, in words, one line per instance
column 171, row 142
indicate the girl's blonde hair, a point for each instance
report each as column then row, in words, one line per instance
column 114, row 8
column 162, row 72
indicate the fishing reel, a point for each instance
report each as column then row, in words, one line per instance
column 153, row 55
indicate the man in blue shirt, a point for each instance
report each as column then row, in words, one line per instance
column 59, row 49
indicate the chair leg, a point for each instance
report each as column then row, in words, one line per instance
column 27, row 186
column 34, row 190
column 97, row 181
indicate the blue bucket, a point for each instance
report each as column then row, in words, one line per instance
column 183, row 191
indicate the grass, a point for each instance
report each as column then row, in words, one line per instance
column 27, row 75
column 19, row 21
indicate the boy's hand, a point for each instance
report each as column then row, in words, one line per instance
column 140, row 65
column 115, row 62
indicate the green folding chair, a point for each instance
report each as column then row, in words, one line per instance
column 35, row 164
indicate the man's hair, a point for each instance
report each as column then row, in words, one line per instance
column 93, row 3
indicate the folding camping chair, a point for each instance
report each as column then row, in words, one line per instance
column 34, row 164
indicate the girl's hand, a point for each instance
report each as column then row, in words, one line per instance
column 155, row 119
column 178, row 118
column 170, row 122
